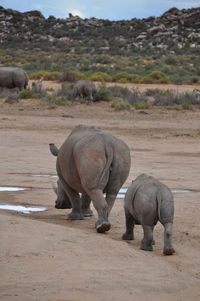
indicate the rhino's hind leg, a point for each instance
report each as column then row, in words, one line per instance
column 86, row 211
column 76, row 213
column 168, row 248
column 100, row 204
column 147, row 241
column 103, row 226
column 128, row 235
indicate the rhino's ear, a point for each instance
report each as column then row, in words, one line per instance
column 53, row 149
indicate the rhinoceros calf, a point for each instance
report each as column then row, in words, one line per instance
column 13, row 77
column 90, row 162
column 84, row 89
column 148, row 201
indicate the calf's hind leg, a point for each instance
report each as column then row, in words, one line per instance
column 128, row 235
column 168, row 248
column 147, row 241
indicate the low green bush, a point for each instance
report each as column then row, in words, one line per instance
column 120, row 105
column 155, row 77
column 27, row 93
column 125, row 77
column 100, row 77
column 58, row 100
column 143, row 105
column 103, row 94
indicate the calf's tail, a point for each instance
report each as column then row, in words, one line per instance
column 53, row 149
column 159, row 201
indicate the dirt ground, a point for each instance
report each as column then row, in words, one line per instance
column 44, row 256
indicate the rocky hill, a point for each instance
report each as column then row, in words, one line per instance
column 175, row 30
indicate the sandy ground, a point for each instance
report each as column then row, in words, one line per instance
column 44, row 256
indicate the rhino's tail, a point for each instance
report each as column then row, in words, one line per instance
column 53, row 149
column 159, row 201
column 109, row 156
column 55, row 185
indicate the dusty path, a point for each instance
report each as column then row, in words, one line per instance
column 43, row 256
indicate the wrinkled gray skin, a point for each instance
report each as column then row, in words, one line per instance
column 62, row 201
column 84, row 89
column 92, row 163
column 13, row 77
column 148, row 201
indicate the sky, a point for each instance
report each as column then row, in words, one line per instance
column 100, row 9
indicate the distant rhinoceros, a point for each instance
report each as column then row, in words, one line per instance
column 146, row 201
column 90, row 162
column 84, row 89
column 13, row 77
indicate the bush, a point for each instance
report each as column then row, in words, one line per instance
column 120, row 92
column 186, row 106
column 168, row 98
column 27, row 93
column 119, row 105
column 155, row 77
column 100, row 77
column 103, row 94
column 143, row 105
column 125, row 77
column 59, row 101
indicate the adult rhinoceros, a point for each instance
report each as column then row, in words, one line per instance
column 84, row 89
column 90, row 162
column 146, row 201
column 13, row 77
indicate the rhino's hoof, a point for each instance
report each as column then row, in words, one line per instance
column 75, row 216
column 87, row 212
column 127, row 236
column 146, row 247
column 102, row 228
column 168, row 251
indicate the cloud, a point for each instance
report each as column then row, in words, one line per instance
column 76, row 12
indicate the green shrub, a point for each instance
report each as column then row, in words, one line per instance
column 186, row 106
column 155, row 77
column 79, row 75
column 143, row 105
column 170, row 98
column 103, row 94
column 120, row 105
column 122, row 77
column 100, row 77
column 27, row 93
column 171, row 60
column 58, row 100
column 125, row 77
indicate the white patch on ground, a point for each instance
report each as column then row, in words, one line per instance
column 180, row 190
column 22, row 209
column 8, row 188
column 122, row 192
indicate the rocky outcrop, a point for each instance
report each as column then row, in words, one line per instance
column 175, row 29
